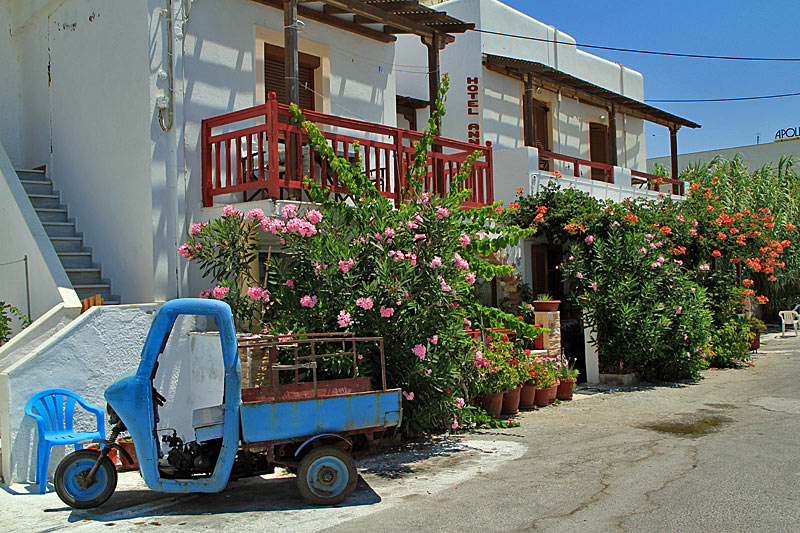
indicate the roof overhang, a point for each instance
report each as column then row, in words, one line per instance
column 555, row 80
column 380, row 19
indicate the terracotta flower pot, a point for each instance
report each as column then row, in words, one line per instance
column 565, row 389
column 552, row 391
column 493, row 403
column 546, row 306
column 511, row 401
column 112, row 454
column 124, row 464
column 541, row 398
column 526, row 396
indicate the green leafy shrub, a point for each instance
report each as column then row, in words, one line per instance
column 730, row 343
column 7, row 314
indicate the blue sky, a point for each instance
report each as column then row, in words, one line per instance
column 716, row 27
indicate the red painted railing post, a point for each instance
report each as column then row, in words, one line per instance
column 399, row 167
column 273, row 176
column 489, row 174
column 205, row 134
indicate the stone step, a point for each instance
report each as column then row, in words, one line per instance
column 68, row 244
column 86, row 290
column 59, row 229
column 84, row 275
column 37, row 186
column 81, row 259
column 32, row 175
column 44, row 200
column 52, row 214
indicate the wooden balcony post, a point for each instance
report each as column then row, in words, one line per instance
column 399, row 167
column 489, row 174
column 612, row 136
column 273, row 175
column 673, row 151
column 290, row 46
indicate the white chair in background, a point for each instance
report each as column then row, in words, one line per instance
column 789, row 317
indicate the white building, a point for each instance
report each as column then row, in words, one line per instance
column 753, row 156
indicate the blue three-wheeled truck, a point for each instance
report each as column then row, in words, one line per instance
column 305, row 425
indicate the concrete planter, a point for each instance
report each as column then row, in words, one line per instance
column 620, row 380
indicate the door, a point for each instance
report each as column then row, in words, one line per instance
column 598, row 149
column 536, row 129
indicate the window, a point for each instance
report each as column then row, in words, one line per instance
column 275, row 76
column 598, row 149
column 535, row 127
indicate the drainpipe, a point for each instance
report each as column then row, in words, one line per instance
column 167, row 105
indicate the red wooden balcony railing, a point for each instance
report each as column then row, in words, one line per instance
column 607, row 172
column 240, row 149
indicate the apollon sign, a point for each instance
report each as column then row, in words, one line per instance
column 787, row 133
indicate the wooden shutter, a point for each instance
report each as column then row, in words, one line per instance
column 275, row 76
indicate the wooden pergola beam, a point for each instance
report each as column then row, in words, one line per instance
column 330, row 20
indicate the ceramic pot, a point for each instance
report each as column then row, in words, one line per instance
column 493, row 403
column 526, row 396
column 552, row 391
column 565, row 389
column 511, row 401
column 541, row 398
column 546, row 306
column 124, row 464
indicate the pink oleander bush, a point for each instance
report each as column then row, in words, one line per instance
column 403, row 271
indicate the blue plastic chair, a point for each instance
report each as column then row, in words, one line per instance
column 53, row 410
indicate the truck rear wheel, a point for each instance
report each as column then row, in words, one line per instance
column 326, row 476
column 70, row 480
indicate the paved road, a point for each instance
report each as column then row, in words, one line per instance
column 588, row 465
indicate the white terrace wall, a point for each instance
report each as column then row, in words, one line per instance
column 498, row 113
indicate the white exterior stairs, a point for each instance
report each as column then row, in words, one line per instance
column 85, row 275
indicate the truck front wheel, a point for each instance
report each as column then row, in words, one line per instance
column 326, row 475
column 72, row 486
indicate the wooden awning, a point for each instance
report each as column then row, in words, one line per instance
column 555, row 80
column 379, row 19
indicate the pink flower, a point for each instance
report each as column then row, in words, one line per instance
column 230, row 211
column 443, row 283
column 455, row 424
column 255, row 214
column 389, row 233
column 434, row 339
column 437, row 261
column 314, row 216
column 615, row 223
column 460, row 402
column 185, row 251
column 420, row 236
column 461, row 263
column 705, row 267
column 419, row 350
column 470, row 278
column 360, row 357
column 692, row 231
column 464, row 240
column 289, row 211
column 220, row 292
column 344, row 318
column 255, row 293
column 579, row 275
column 386, row 312
column 643, row 250
column 594, row 285
column 408, row 395
column 429, row 371
column 442, row 212
column 656, row 264
column 273, row 225
column 290, row 283
column 467, row 323
column 589, row 239
column 197, row 228
column 364, row 303
column 694, row 223
column 679, row 218
column 205, row 294
column 424, row 198
column 412, row 258
column 308, row 301
column 410, row 225
column 345, row 266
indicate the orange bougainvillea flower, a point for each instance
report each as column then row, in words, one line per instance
column 772, row 278
column 747, row 282
column 716, row 253
column 721, row 236
column 762, row 299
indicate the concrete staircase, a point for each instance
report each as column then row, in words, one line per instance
column 84, row 274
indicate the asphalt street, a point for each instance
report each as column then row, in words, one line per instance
column 717, row 454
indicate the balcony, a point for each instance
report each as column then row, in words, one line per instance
column 257, row 153
column 600, row 180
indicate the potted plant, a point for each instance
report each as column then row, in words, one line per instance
column 568, row 376
column 546, row 304
column 527, row 371
column 545, row 381
column 127, row 444
column 492, row 377
column 757, row 327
